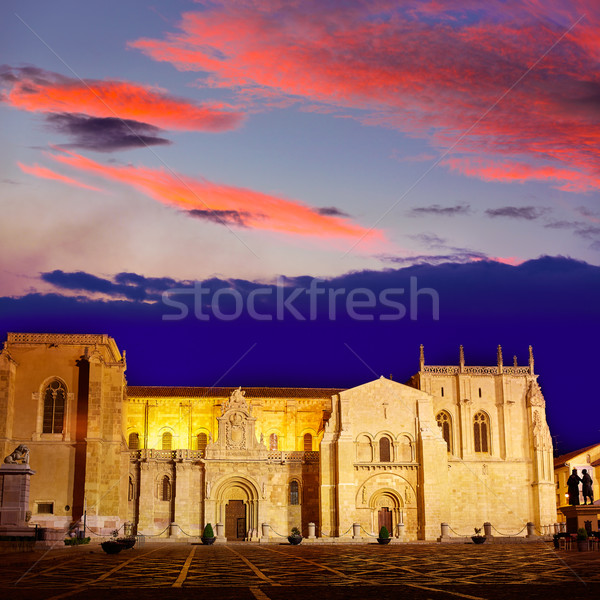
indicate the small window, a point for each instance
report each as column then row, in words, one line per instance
column 134, row 441
column 480, row 392
column 442, row 392
column 481, row 432
column 131, row 489
column 165, row 488
column 45, row 508
column 273, row 442
column 55, row 397
column 294, row 493
column 384, row 450
column 167, row 440
column 443, row 421
column 202, row 441
column 308, row 442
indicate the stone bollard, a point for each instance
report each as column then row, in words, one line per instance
column 173, row 530
column 556, row 527
column 265, row 530
column 530, row 529
column 220, row 530
column 311, row 531
column 401, row 530
column 487, row 529
column 355, row 530
column 445, row 530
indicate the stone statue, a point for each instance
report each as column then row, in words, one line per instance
column 573, row 485
column 586, row 488
column 20, row 455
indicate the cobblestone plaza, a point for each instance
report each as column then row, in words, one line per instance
column 274, row 571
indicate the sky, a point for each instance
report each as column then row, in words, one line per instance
column 152, row 147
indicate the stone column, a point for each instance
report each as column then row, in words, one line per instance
column 14, row 499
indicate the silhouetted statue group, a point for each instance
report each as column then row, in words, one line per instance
column 586, row 489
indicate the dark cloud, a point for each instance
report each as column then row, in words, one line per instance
column 105, row 134
column 436, row 259
column 529, row 213
column 221, row 217
column 443, row 211
column 561, row 224
column 331, row 211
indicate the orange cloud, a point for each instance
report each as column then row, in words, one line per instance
column 46, row 173
column 259, row 211
column 445, row 70
column 36, row 90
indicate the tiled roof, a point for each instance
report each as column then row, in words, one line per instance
column 560, row 461
column 143, row 391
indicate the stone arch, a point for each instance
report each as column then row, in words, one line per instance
column 380, row 445
column 364, row 447
column 405, row 448
column 387, row 502
column 238, row 488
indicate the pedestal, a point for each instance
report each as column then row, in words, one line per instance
column 14, row 499
column 581, row 517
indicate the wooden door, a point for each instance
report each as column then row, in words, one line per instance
column 385, row 518
column 235, row 520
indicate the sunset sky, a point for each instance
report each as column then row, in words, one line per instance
column 181, row 141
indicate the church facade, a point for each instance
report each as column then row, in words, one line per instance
column 457, row 444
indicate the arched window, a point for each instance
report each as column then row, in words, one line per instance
column 55, row 398
column 134, row 441
column 273, row 442
column 165, row 488
column 384, row 450
column 202, row 441
column 444, row 423
column 131, row 489
column 294, row 493
column 167, row 440
column 481, row 428
column 307, row 442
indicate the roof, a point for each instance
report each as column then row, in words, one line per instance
column 144, row 391
column 560, row 461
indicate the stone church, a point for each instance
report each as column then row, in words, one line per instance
column 457, row 444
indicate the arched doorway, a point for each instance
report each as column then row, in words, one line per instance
column 237, row 507
column 387, row 509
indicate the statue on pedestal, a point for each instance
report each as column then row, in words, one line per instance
column 20, row 455
column 573, row 486
column 586, row 488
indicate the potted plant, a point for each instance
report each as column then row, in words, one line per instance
column 478, row 538
column 208, row 536
column 384, row 536
column 582, row 539
column 296, row 536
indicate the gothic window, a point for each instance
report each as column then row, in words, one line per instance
column 134, row 441
column 273, row 442
column 167, row 440
column 481, row 429
column 384, row 450
column 294, row 493
column 202, row 441
column 444, row 423
column 55, row 398
column 307, row 442
column 165, row 488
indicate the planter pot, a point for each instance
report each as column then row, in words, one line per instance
column 384, row 541
column 112, row 547
column 478, row 539
column 208, row 541
column 294, row 539
column 582, row 545
column 127, row 543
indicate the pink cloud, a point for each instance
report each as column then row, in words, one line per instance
column 36, row 90
column 430, row 69
column 46, row 173
column 248, row 207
